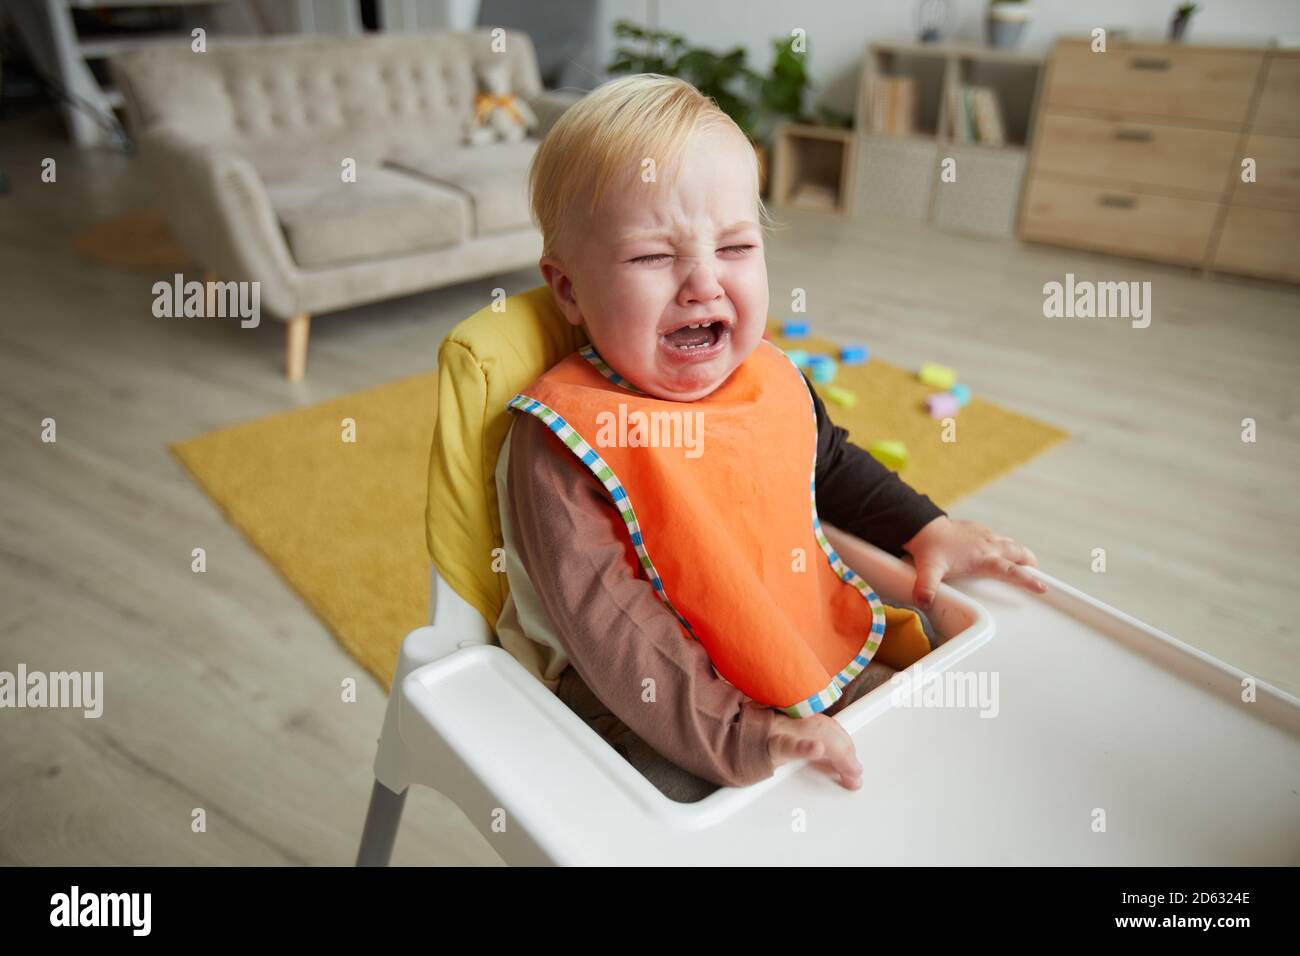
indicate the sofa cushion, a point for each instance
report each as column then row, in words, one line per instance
column 384, row 213
column 369, row 88
column 494, row 178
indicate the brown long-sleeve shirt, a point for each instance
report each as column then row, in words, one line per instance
column 573, row 544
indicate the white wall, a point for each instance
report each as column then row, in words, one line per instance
column 255, row 17
column 409, row 16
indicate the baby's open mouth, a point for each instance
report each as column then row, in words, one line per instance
column 699, row 336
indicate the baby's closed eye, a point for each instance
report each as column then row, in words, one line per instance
column 653, row 258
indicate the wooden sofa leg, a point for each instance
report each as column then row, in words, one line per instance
column 296, row 357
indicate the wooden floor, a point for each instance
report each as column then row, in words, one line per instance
column 223, row 689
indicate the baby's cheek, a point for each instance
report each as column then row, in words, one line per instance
column 754, row 300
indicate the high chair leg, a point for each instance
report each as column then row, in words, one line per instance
column 380, row 831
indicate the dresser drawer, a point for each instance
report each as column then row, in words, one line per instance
column 1131, row 155
column 1122, row 222
column 1279, row 103
column 1260, row 242
column 1153, row 79
column 1277, row 172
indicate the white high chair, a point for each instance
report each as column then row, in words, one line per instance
column 1106, row 742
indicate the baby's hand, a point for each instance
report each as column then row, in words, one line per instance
column 820, row 739
column 951, row 549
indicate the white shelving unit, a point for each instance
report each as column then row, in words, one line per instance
column 67, row 56
column 899, row 174
column 49, row 30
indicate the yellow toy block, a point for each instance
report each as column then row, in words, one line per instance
column 937, row 376
column 891, row 454
column 841, row 396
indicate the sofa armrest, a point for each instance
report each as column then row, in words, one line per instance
column 218, row 208
column 550, row 106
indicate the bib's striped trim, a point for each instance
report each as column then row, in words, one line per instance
column 591, row 355
column 605, row 475
column 819, row 702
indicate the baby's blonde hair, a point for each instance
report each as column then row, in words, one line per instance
column 603, row 139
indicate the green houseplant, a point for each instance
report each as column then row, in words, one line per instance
column 1182, row 17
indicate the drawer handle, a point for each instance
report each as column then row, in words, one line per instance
column 1159, row 64
column 1135, row 135
column 1117, row 202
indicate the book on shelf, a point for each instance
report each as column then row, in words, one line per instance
column 975, row 116
column 957, row 115
column 893, row 105
column 988, row 117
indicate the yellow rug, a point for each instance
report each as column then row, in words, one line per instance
column 990, row 440
column 343, row 522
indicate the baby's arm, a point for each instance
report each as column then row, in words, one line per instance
column 616, row 632
column 858, row 494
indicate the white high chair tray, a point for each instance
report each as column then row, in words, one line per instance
column 1113, row 743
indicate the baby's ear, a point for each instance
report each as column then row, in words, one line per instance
column 562, row 291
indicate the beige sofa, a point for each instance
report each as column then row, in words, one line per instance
column 246, row 146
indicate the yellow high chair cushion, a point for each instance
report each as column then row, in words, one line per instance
column 482, row 364
column 904, row 642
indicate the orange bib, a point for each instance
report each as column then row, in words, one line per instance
column 718, row 500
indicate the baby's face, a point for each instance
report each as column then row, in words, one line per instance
column 659, row 259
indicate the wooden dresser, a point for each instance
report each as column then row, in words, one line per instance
column 1138, row 151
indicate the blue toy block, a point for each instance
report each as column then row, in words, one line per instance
column 961, row 393
column 823, row 368
column 794, row 330
column 854, row 354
